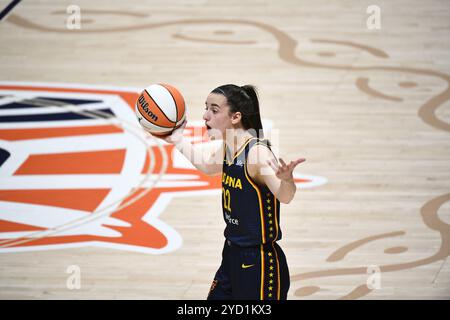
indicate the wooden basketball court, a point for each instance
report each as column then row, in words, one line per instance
column 368, row 109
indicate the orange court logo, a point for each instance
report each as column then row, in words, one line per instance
column 76, row 170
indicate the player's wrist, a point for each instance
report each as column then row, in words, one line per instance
column 289, row 179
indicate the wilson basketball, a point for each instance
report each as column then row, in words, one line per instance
column 160, row 109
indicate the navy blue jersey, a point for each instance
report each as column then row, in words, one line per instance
column 251, row 212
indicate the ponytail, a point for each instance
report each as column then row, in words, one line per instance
column 244, row 100
column 252, row 120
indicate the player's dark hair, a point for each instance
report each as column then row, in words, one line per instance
column 244, row 100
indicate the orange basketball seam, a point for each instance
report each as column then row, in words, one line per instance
column 174, row 101
column 178, row 104
column 144, row 114
column 162, row 111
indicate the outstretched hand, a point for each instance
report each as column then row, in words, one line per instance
column 282, row 170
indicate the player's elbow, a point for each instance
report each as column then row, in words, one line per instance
column 285, row 200
column 211, row 171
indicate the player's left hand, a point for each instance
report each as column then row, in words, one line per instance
column 282, row 170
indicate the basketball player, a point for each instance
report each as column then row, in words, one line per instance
column 253, row 185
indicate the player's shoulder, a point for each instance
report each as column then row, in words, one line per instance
column 260, row 152
column 257, row 159
column 261, row 145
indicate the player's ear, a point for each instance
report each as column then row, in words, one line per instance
column 236, row 117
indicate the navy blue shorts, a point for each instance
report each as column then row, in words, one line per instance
column 251, row 273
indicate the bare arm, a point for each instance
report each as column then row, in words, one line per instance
column 206, row 157
column 265, row 170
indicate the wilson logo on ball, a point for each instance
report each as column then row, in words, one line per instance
column 160, row 109
column 144, row 105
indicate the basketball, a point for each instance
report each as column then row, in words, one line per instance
column 160, row 109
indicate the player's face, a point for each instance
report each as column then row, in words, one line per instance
column 217, row 115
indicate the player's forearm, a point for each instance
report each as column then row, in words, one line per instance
column 194, row 154
column 286, row 191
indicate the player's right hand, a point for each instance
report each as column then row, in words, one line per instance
column 176, row 136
